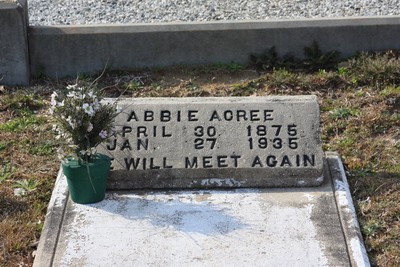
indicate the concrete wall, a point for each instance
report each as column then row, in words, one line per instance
column 60, row 51
column 69, row 50
column 14, row 55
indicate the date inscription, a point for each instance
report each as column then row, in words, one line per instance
column 190, row 137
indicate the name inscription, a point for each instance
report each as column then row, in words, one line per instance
column 235, row 134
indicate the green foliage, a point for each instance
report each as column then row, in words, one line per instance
column 342, row 113
column 281, row 78
column 6, row 172
column 378, row 69
column 84, row 77
column 265, row 61
column 316, row 59
column 21, row 102
column 343, row 71
column 234, row 67
column 390, row 91
column 44, row 148
column 40, row 72
column 372, row 228
column 21, row 124
column 244, row 89
column 346, row 142
column 3, row 145
column 133, row 86
column 27, row 185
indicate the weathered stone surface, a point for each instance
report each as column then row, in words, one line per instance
column 314, row 226
column 216, row 142
column 59, row 51
column 14, row 56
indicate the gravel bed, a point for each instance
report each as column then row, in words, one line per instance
column 65, row 12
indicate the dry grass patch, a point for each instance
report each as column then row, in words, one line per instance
column 360, row 107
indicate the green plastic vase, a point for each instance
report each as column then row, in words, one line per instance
column 87, row 181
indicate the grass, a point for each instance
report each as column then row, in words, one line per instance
column 360, row 118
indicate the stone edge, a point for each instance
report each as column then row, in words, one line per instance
column 215, row 25
column 56, row 51
column 346, row 211
column 52, row 226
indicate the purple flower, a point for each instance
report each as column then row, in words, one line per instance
column 103, row 134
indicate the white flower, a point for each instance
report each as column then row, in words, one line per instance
column 89, row 151
column 71, row 94
column 90, row 127
column 81, row 96
column 53, row 101
column 103, row 134
column 91, row 95
column 96, row 104
column 88, row 109
column 70, row 87
column 19, row 192
column 60, row 104
column 60, row 154
column 71, row 122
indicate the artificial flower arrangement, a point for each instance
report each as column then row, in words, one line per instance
column 83, row 121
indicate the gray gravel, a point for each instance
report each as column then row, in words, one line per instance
column 65, row 12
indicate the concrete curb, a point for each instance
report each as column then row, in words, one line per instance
column 351, row 229
column 53, row 221
column 59, row 51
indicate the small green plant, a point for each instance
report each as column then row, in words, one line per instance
column 342, row 113
column 346, row 142
column 133, row 86
column 26, row 185
column 84, row 77
column 372, row 228
column 6, row 172
column 21, row 124
column 389, row 91
column 363, row 172
column 45, row 148
column 3, row 145
column 265, row 61
column 40, row 72
column 234, row 67
column 244, row 89
column 315, row 59
column 378, row 69
column 281, row 78
column 22, row 103
column 343, row 71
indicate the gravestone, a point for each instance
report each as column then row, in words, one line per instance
column 216, row 142
column 200, row 143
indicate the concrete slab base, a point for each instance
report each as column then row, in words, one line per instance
column 240, row 227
